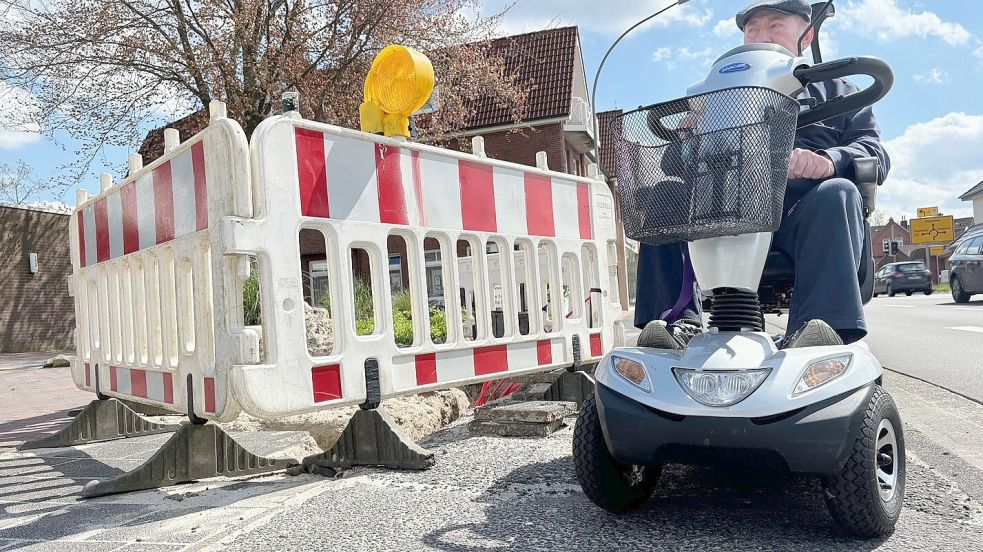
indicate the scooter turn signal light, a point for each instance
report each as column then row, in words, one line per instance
column 633, row 371
column 822, row 372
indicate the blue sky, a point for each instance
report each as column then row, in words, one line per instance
column 932, row 122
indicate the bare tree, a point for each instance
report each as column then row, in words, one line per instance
column 18, row 186
column 100, row 69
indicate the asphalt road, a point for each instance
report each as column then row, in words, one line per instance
column 930, row 337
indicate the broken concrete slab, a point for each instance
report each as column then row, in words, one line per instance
column 515, row 429
column 509, row 410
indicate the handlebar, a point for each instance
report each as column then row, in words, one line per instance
column 876, row 68
column 668, row 109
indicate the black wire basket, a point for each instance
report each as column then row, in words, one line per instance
column 705, row 166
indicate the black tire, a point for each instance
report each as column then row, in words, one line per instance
column 876, row 294
column 927, row 291
column 854, row 495
column 908, row 293
column 959, row 294
column 890, row 292
column 614, row 486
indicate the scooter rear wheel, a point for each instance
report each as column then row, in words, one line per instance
column 865, row 498
column 614, row 486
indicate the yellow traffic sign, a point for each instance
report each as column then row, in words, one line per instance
column 928, row 212
column 937, row 250
column 933, row 230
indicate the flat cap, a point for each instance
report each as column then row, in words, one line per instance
column 802, row 8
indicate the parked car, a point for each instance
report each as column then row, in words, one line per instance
column 907, row 277
column 966, row 267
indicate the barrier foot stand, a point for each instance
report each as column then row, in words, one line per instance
column 372, row 438
column 194, row 452
column 570, row 386
column 101, row 420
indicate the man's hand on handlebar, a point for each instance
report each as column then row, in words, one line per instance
column 807, row 164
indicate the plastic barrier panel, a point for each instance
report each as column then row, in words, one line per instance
column 428, row 267
column 155, row 301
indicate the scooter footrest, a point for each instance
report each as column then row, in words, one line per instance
column 815, row 333
column 656, row 335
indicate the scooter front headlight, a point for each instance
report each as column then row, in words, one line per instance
column 720, row 387
column 822, row 372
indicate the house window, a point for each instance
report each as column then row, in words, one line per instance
column 395, row 272
column 318, row 271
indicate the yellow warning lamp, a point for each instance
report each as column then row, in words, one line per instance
column 399, row 83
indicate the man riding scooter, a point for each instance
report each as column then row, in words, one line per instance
column 822, row 228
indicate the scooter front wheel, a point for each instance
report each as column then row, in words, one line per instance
column 610, row 484
column 865, row 498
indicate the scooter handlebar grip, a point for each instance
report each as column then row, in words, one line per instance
column 876, row 68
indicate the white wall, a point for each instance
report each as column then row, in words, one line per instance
column 978, row 209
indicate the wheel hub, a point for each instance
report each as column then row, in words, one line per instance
column 886, row 465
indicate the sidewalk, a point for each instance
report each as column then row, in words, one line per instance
column 485, row 493
column 12, row 361
column 34, row 400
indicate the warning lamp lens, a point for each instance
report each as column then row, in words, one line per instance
column 822, row 372
column 633, row 371
column 401, row 80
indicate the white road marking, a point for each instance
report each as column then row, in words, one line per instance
column 976, row 329
column 902, row 306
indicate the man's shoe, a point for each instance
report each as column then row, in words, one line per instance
column 814, row 333
column 674, row 337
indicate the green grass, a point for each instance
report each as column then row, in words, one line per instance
column 941, row 288
column 364, row 307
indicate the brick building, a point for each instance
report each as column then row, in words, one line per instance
column 36, row 312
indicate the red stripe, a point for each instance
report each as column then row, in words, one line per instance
column 389, row 177
column 201, row 191
column 312, row 173
column 418, row 187
column 477, row 196
column 544, row 352
column 168, row 388
column 490, row 360
column 426, row 368
column 164, row 203
column 209, row 394
column 327, row 382
column 102, row 231
column 583, row 211
column 595, row 345
column 112, row 378
column 81, row 220
column 131, row 232
column 138, row 383
column 88, row 375
column 539, row 205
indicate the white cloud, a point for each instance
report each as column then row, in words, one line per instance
column 673, row 58
column 935, row 76
column 726, row 28
column 932, row 164
column 610, row 18
column 886, row 21
column 662, row 54
column 19, row 115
